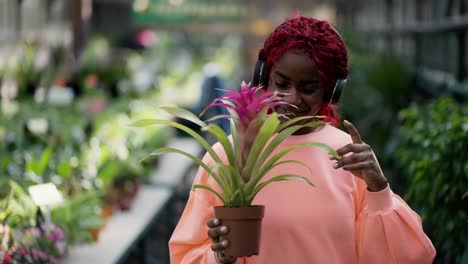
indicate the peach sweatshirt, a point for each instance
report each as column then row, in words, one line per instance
column 336, row 222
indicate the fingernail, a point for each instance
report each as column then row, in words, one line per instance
column 216, row 221
column 224, row 243
column 335, row 165
column 330, row 156
column 223, row 229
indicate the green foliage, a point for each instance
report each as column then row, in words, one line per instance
column 391, row 81
column 432, row 155
column 239, row 185
column 77, row 214
column 17, row 208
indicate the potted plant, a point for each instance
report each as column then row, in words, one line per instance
column 256, row 132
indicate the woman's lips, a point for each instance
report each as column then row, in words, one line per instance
column 291, row 111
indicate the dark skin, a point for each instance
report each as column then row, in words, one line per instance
column 298, row 76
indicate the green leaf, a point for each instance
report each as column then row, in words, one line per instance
column 266, row 132
column 191, row 132
column 64, row 169
column 464, row 195
column 145, row 122
column 211, row 171
column 293, row 161
column 223, row 139
column 44, row 161
column 184, row 114
column 238, row 199
column 17, row 189
column 31, row 166
column 280, row 137
column 108, row 172
column 4, row 214
column 295, row 121
column 214, row 118
column 199, row 186
column 283, row 177
column 236, row 144
column 270, row 163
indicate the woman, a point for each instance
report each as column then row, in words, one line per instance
column 352, row 216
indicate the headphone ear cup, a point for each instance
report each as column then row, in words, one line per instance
column 258, row 76
column 337, row 91
column 265, row 79
column 258, row 73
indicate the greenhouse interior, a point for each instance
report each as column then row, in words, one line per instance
column 91, row 133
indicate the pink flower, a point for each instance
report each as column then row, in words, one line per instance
column 58, row 234
column 249, row 107
column 34, row 232
column 61, row 248
column 6, row 257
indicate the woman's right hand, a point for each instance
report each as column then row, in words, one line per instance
column 218, row 245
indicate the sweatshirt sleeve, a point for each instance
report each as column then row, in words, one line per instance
column 189, row 242
column 388, row 231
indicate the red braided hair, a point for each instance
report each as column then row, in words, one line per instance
column 321, row 43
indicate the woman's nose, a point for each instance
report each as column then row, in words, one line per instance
column 292, row 97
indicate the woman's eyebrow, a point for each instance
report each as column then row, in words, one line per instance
column 282, row 75
column 303, row 82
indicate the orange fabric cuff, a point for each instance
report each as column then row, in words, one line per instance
column 379, row 201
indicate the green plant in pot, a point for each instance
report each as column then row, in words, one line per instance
column 256, row 132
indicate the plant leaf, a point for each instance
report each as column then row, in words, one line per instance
column 298, row 119
column 283, row 177
column 293, row 161
column 221, row 136
column 184, row 114
column 269, row 164
column 44, row 161
column 223, row 184
column 266, row 131
column 218, row 117
column 64, row 169
column 238, row 199
column 236, row 144
column 199, row 186
column 191, row 132
column 145, row 122
column 280, row 137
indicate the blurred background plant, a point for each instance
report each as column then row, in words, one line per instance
column 432, row 158
column 69, row 126
column 417, row 123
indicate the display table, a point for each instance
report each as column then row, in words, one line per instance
column 124, row 230
column 173, row 166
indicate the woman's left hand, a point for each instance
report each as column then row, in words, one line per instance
column 362, row 162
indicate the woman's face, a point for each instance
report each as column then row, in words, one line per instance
column 297, row 75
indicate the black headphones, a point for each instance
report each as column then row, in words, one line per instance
column 261, row 77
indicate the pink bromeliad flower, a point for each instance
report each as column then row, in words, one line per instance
column 248, row 110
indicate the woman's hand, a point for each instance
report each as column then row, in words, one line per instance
column 361, row 162
column 218, row 245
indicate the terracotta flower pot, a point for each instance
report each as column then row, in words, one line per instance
column 94, row 232
column 244, row 224
column 126, row 193
column 107, row 210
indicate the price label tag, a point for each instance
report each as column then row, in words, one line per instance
column 45, row 194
